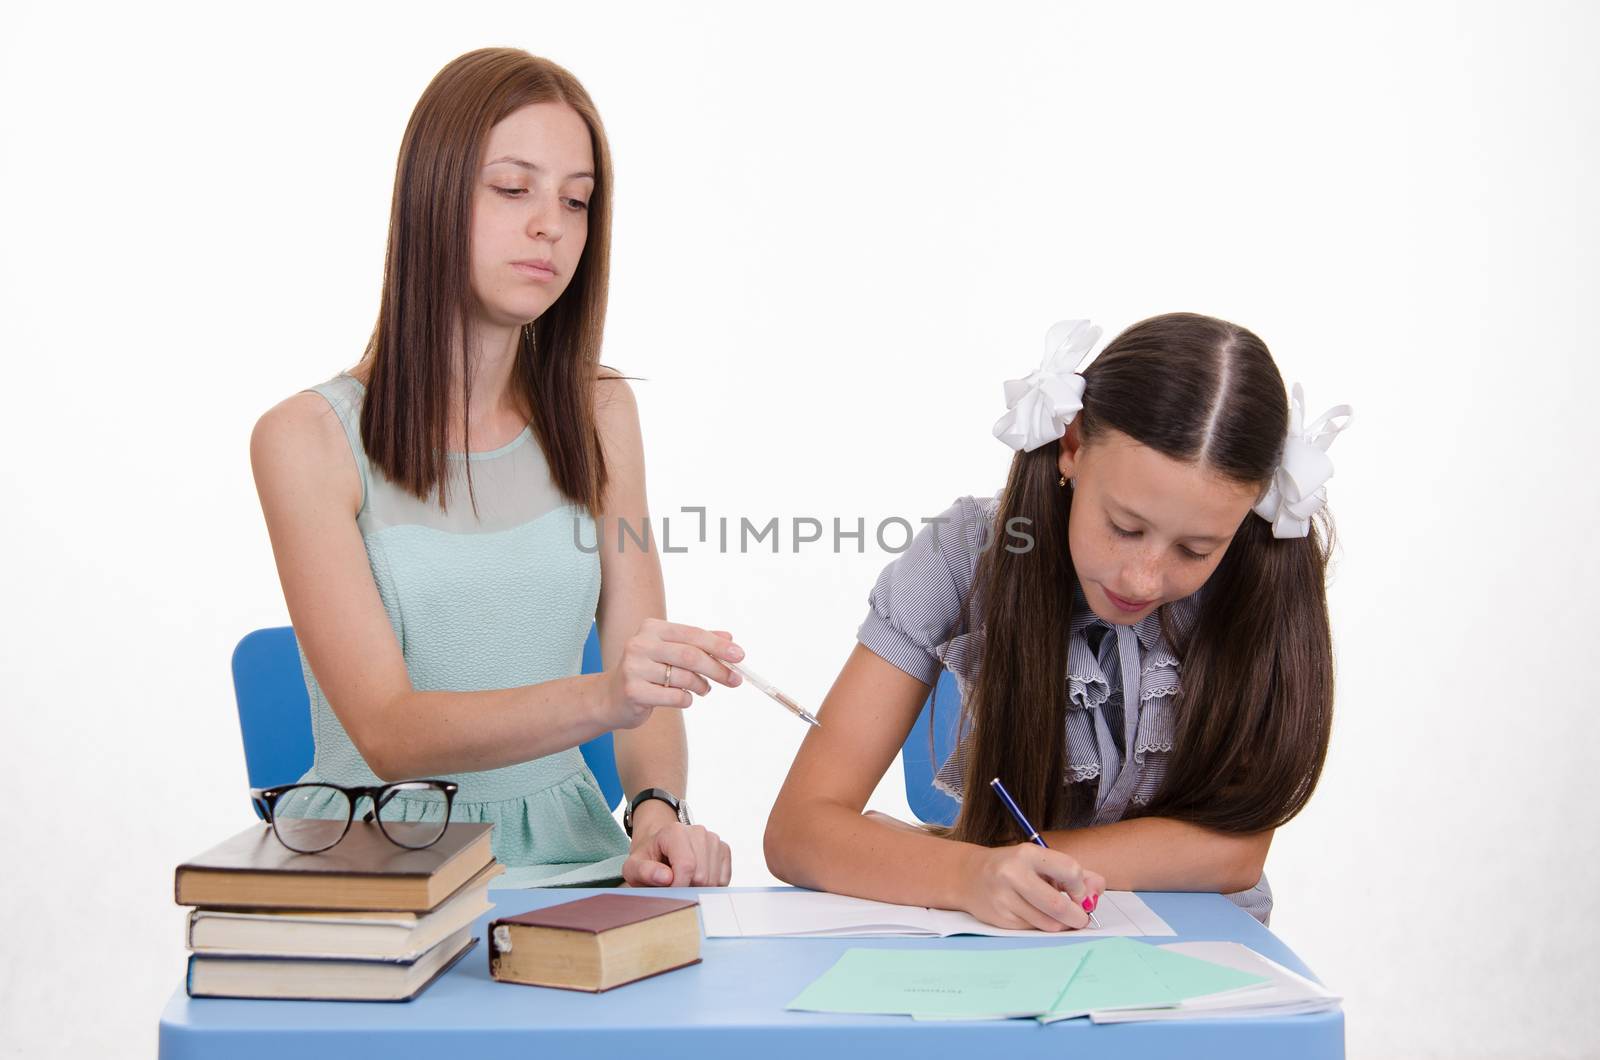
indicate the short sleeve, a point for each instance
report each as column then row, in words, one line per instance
column 916, row 606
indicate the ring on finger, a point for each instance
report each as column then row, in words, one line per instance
column 668, row 681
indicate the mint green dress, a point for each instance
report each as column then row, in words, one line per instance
column 494, row 599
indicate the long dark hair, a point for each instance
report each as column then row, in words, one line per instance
column 1257, row 663
column 426, row 287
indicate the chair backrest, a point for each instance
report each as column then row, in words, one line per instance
column 598, row 752
column 275, row 712
column 942, row 711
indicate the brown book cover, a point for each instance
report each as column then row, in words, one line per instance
column 600, row 913
column 363, row 871
column 597, row 943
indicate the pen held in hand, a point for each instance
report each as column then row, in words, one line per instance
column 1089, row 900
column 772, row 690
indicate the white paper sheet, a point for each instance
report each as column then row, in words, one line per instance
column 815, row 914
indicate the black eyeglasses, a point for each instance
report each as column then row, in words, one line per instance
column 308, row 818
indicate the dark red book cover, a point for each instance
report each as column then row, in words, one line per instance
column 599, row 913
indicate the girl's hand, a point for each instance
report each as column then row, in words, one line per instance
column 1028, row 886
column 642, row 680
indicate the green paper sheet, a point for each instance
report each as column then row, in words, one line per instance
column 1121, row 973
column 1190, row 977
column 944, row 984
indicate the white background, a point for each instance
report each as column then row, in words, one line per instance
column 838, row 229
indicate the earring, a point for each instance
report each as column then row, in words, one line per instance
column 1063, row 480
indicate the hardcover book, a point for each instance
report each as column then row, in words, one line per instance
column 308, row 979
column 364, row 871
column 595, row 943
column 350, row 933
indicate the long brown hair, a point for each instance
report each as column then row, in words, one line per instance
column 424, row 314
column 1257, row 662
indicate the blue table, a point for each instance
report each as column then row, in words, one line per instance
column 731, row 1004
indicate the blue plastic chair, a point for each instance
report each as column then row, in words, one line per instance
column 931, row 805
column 275, row 712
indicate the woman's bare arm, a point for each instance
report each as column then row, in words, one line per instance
column 818, row 837
column 656, row 754
column 1162, row 854
column 310, row 491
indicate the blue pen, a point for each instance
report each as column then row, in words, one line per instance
column 1033, row 834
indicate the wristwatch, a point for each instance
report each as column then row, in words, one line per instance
column 679, row 807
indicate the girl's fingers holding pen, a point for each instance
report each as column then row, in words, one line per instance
column 714, row 644
column 716, row 651
column 690, row 681
column 668, row 642
column 1044, row 884
column 1054, row 905
column 1096, row 884
column 687, row 665
column 1039, row 877
column 695, row 663
column 1028, row 915
column 1061, row 869
column 645, row 693
column 650, row 663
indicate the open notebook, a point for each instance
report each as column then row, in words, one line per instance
column 814, row 914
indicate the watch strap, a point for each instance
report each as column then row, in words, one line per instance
column 661, row 794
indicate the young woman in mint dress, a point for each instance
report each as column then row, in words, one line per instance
column 435, row 510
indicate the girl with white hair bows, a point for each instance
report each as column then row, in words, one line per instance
column 1139, row 630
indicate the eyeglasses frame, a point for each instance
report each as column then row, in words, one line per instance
column 266, row 801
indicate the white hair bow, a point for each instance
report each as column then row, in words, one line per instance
column 1297, row 491
column 1042, row 405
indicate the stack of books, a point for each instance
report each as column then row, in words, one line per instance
column 365, row 920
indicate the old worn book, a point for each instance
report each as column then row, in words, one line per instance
column 595, row 943
column 341, row 933
column 363, row 871
column 307, row 979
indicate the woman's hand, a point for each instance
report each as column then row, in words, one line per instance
column 667, row 853
column 1029, row 886
column 666, row 664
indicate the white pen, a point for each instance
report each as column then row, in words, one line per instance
column 772, row 690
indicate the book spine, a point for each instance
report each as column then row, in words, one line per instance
column 497, row 932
